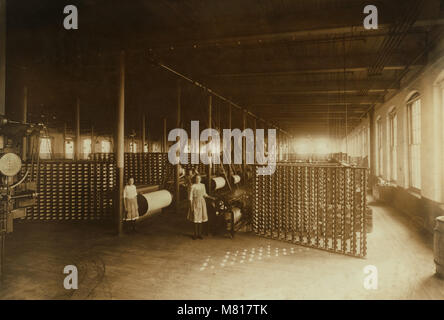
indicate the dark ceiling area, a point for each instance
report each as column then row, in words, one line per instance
column 305, row 66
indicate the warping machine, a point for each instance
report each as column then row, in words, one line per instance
column 230, row 212
column 15, row 194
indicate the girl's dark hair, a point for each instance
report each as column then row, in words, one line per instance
column 195, row 178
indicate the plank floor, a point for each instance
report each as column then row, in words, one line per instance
column 161, row 261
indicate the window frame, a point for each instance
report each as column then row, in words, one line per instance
column 410, row 138
column 102, row 146
column 68, row 140
column 393, row 145
column 86, row 151
column 380, row 146
column 133, row 147
column 51, row 147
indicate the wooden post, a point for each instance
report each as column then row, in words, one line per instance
column 93, row 143
column 229, row 127
column 254, row 133
column 64, row 140
column 120, row 144
column 229, row 116
column 210, row 119
column 164, row 144
column 177, row 167
column 266, row 137
column 147, row 137
column 78, row 139
column 143, row 134
column 2, row 57
column 278, row 144
column 372, row 157
column 25, row 120
column 244, row 145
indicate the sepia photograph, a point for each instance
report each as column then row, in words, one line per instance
column 223, row 155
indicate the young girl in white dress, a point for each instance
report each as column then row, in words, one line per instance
column 198, row 207
column 130, row 202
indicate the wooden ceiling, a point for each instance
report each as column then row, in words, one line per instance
column 306, row 65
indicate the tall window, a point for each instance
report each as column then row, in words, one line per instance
column 45, row 148
column 365, row 134
column 86, row 148
column 69, row 149
column 414, row 128
column 133, row 147
column 105, row 146
column 393, row 145
column 379, row 140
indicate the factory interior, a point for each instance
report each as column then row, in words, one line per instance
column 351, row 122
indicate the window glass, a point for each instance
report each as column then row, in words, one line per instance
column 86, row 148
column 414, row 122
column 133, row 147
column 45, row 148
column 105, row 146
column 69, row 149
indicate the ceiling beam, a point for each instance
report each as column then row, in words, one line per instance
column 312, row 107
column 294, row 26
column 348, row 99
column 284, row 87
column 258, row 67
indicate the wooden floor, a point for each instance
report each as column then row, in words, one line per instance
column 161, row 261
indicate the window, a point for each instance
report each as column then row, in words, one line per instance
column 414, row 139
column 86, row 148
column 379, row 140
column 145, row 147
column 393, row 123
column 105, row 146
column 133, row 147
column 363, row 142
column 69, row 149
column 45, row 148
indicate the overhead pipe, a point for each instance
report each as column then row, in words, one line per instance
column 210, row 91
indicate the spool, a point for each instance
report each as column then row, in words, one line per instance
column 217, row 183
column 235, row 179
column 438, row 246
column 153, row 202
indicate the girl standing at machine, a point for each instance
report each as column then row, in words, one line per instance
column 198, row 207
column 130, row 202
